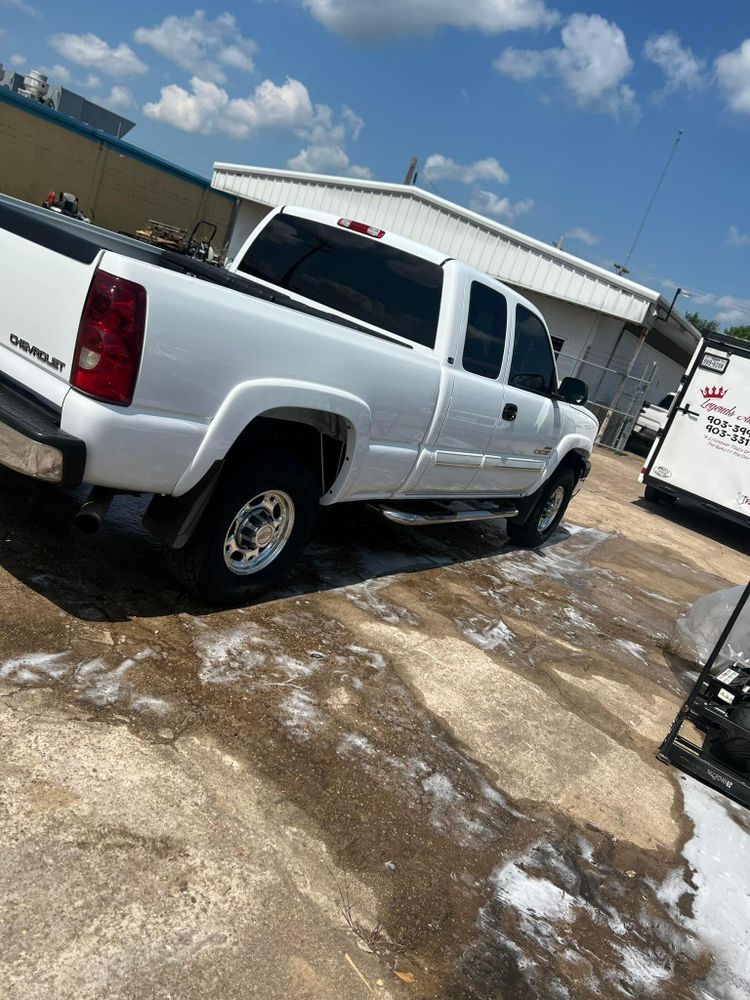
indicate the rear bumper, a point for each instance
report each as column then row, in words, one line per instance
column 32, row 443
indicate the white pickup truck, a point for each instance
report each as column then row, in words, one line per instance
column 332, row 362
column 653, row 418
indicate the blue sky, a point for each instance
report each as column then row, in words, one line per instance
column 555, row 118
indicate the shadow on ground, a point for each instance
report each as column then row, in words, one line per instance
column 702, row 522
column 119, row 573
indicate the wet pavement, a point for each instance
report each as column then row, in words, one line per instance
column 431, row 752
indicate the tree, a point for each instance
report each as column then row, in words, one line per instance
column 702, row 324
column 741, row 332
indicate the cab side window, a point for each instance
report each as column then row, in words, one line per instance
column 533, row 365
column 484, row 345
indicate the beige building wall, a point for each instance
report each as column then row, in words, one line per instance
column 38, row 155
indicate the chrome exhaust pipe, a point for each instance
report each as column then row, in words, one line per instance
column 89, row 518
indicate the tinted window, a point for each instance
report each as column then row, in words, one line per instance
column 532, row 366
column 667, row 401
column 485, row 331
column 353, row 274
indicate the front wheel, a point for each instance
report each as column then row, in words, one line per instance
column 252, row 532
column 547, row 513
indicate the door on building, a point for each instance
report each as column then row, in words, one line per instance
column 530, row 420
column 476, row 400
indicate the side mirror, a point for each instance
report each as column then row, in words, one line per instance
column 573, row 390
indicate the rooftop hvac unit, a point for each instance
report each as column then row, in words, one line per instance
column 35, row 86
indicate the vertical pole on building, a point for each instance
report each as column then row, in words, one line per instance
column 411, row 173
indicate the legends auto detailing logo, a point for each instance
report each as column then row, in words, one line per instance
column 710, row 396
column 743, row 500
column 714, row 393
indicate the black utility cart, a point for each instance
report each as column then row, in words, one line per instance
column 718, row 706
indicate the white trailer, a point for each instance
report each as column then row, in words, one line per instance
column 703, row 452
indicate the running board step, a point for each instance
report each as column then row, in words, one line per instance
column 421, row 518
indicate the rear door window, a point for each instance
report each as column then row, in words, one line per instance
column 484, row 345
column 533, row 364
column 353, row 274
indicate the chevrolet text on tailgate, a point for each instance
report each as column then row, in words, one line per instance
column 332, row 362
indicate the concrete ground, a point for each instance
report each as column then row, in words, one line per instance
column 424, row 769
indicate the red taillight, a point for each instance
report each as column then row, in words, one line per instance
column 110, row 339
column 361, row 227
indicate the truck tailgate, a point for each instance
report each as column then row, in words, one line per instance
column 44, row 292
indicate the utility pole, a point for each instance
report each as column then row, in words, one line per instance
column 411, row 173
column 623, row 269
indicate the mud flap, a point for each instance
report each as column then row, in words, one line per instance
column 174, row 519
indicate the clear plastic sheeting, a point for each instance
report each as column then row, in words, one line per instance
column 21, row 454
column 697, row 632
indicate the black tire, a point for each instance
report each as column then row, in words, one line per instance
column 201, row 566
column 731, row 749
column 654, row 495
column 531, row 534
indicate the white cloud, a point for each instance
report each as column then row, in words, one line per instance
column 591, row 65
column 733, row 75
column 488, row 203
column 198, row 111
column 56, row 74
column 17, row 60
column 25, row 8
column 91, row 51
column 327, row 137
column 200, row 46
column 92, row 82
column 366, row 21
column 439, row 167
column 118, row 99
column 736, row 238
column 582, row 235
column 208, row 108
column 733, row 310
column 682, row 70
column 327, row 160
column 352, row 121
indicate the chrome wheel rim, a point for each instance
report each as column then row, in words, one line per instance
column 259, row 532
column 551, row 508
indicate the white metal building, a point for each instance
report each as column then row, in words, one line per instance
column 592, row 313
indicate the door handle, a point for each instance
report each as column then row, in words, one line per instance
column 687, row 411
column 510, row 411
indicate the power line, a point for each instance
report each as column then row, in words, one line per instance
column 710, row 298
column 432, row 185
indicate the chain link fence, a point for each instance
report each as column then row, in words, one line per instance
column 616, row 396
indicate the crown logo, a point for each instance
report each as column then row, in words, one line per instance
column 714, row 393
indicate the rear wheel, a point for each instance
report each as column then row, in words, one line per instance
column 547, row 513
column 252, row 532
